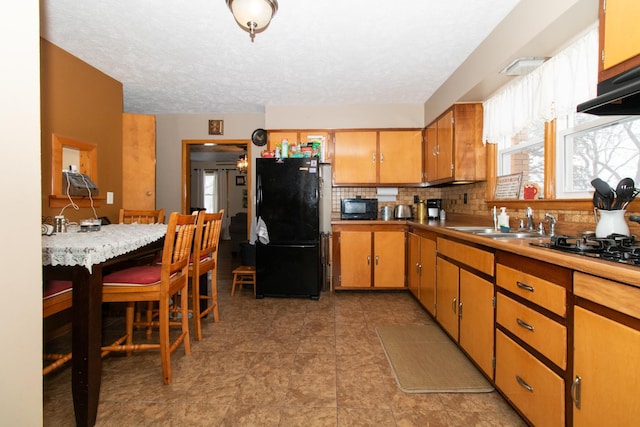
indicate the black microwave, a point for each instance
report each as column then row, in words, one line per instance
column 358, row 208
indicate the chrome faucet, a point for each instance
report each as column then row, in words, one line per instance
column 552, row 223
column 530, row 225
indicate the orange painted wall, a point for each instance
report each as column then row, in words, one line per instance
column 82, row 103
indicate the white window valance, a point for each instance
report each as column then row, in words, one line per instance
column 552, row 90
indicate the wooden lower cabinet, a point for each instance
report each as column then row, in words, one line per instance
column 606, row 361
column 370, row 259
column 531, row 386
column 448, row 278
column 464, row 300
column 421, row 269
column 476, row 319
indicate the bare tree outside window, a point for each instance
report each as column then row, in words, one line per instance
column 610, row 152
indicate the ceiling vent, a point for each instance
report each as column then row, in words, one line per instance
column 522, row 66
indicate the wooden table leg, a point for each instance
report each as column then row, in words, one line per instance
column 86, row 343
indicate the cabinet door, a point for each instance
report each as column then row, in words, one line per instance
column 621, row 39
column 413, row 264
column 445, row 146
column 476, row 319
column 400, row 157
column 138, row 161
column 355, row 259
column 431, row 154
column 388, row 250
column 306, row 136
column 427, row 290
column 355, row 158
column 447, row 296
column 607, row 359
column 276, row 138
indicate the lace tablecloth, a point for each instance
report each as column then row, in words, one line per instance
column 94, row 247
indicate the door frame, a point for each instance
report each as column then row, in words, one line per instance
column 186, row 170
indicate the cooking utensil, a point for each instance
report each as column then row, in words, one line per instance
column 605, row 191
column 636, row 191
column 624, row 192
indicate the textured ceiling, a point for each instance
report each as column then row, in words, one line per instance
column 192, row 57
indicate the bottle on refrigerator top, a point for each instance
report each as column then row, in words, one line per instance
column 285, row 148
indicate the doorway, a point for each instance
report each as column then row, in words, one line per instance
column 210, row 179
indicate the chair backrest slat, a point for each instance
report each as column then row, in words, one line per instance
column 178, row 241
column 129, row 216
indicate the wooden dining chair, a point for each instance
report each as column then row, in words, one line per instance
column 158, row 283
column 142, row 216
column 129, row 216
column 203, row 261
column 56, row 297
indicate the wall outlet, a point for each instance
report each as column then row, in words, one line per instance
column 109, row 197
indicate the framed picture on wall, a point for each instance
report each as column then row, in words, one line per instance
column 241, row 180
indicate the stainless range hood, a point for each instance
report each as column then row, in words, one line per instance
column 617, row 96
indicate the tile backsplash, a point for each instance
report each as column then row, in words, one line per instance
column 453, row 202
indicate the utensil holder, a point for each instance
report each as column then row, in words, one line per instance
column 611, row 222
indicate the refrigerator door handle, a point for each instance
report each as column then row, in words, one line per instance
column 258, row 194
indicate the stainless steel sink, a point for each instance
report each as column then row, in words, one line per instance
column 475, row 229
column 496, row 234
column 510, row 235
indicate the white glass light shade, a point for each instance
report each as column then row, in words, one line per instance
column 253, row 15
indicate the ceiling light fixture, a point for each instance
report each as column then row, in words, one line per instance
column 525, row 65
column 253, row 15
column 242, row 165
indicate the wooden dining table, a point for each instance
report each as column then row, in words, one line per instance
column 82, row 257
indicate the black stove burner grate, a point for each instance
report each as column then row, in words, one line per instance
column 616, row 247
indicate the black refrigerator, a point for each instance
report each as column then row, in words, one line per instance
column 287, row 201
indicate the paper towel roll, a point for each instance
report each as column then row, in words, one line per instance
column 387, row 194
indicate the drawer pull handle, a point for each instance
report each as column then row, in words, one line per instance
column 575, row 390
column 525, row 286
column 523, row 383
column 525, row 324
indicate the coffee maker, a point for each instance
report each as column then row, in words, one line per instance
column 433, row 208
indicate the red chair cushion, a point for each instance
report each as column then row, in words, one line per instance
column 140, row 275
column 56, row 287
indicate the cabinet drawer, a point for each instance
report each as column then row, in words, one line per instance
column 473, row 257
column 532, row 387
column 615, row 295
column 539, row 291
column 536, row 329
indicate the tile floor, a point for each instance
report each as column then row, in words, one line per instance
column 277, row 362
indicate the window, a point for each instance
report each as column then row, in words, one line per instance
column 210, row 191
column 608, row 148
column 524, row 153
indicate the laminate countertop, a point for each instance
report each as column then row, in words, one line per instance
column 607, row 269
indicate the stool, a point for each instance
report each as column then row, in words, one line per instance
column 244, row 275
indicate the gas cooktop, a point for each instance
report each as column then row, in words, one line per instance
column 615, row 247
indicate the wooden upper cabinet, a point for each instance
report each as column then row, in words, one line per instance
column 444, row 149
column 299, row 136
column 355, row 157
column 454, row 148
column 619, row 37
column 400, row 157
column 275, row 137
column 378, row 157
